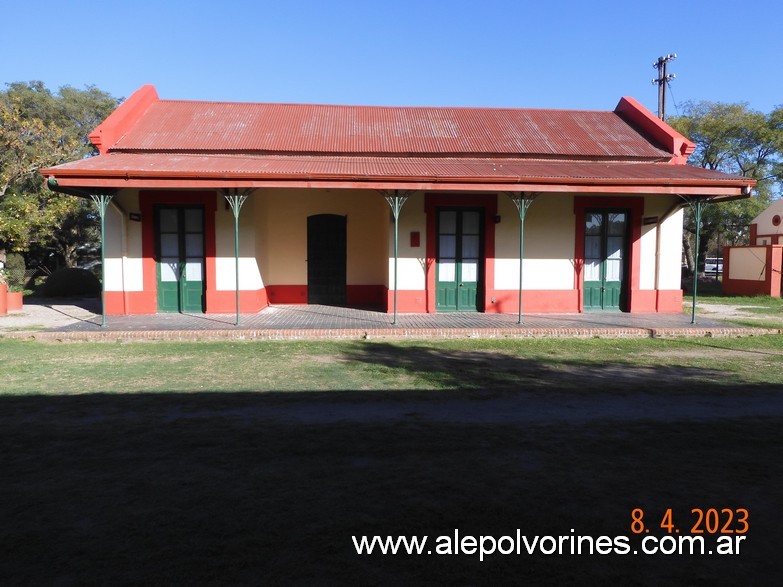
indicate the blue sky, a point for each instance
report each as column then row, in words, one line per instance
column 569, row 54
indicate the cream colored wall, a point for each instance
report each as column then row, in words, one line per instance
column 123, row 244
column 670, row 266
column 748, row 263
column 411, row 264
column 281, row 220
column 273, row 241
column 670, row 259
column 548, row 248
column 225, row 262
column 763, row 221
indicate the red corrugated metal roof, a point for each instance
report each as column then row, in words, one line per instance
column 218, row 127
column 149, row 142
column 167, row 165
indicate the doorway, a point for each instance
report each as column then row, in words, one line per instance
column 605, row 271
column 326, row 259
column 458, row 278
column 179, row 243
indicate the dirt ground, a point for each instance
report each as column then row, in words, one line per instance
column 728, row 311
column 41, row 316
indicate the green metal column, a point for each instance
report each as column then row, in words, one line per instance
column 695, row 205
column 102, row 203
column 522, row 202
column 396, row 202
column 697, row 215
column 235, row 199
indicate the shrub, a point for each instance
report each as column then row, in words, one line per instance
column 14, row 271
column 71, row 282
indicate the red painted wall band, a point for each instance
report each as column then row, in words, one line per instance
column 356, row 295
column 224, row 301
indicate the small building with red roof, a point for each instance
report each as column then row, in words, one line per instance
column 410, row 209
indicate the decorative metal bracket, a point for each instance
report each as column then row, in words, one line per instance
column 522, row 201
column 396, row 201
column 235, row 199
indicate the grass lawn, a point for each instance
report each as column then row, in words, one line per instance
column 256, row 462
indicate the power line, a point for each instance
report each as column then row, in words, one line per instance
column 662, row 81
column 674, row 101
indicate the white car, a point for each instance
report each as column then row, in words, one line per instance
column 713, row 265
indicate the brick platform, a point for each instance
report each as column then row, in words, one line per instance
column 327, row 322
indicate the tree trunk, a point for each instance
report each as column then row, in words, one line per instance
column 67, row 252
column 688, row 250
column 704, row 242
column 70, row 256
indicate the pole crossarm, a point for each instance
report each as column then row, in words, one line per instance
column 522, row 201
column 696, row 205
column 396, row 201
column 102, row 200
column 236, row 198
column 662, row 81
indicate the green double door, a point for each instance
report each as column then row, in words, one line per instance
column 606, row 244
column 458, row 262
column 180, row 254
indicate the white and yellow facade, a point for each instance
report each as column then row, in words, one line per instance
column 273, row 237
column 602, row 222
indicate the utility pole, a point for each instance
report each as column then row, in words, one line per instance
column 662, row 79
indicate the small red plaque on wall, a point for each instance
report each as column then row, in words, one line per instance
column 415, row 239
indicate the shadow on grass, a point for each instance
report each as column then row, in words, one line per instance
column 490, row 370
column 716, row 344
column 239, row 488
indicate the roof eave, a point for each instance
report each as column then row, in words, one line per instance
column 732, row 189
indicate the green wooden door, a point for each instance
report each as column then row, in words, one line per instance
column 458, row 266
column 606, row 242
column 180, row 256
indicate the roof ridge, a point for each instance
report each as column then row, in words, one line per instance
column 455, row 156
column 386, row 106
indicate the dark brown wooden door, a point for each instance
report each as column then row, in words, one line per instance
column 326, row 259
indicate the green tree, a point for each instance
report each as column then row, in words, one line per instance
column 39, row 128
column 26, row 144
column 734, row 139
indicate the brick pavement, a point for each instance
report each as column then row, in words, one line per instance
column 327, row 322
